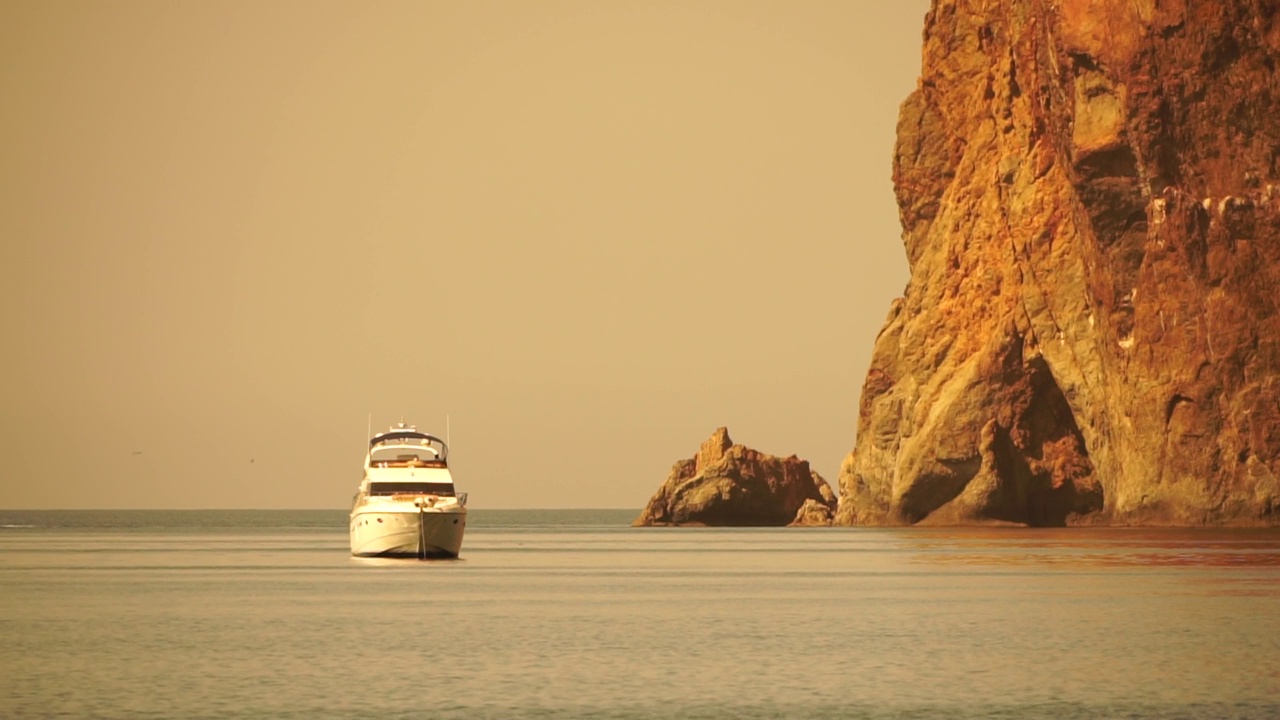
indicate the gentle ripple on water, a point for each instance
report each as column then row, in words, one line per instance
column 572, row 614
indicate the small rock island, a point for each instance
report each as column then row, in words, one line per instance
column 732, row 485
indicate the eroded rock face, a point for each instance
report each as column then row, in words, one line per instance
column 814, row 513
column 1090, row 199
column 732, row 485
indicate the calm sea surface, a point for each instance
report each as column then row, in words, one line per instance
column 573, row 614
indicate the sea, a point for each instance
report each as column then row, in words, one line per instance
column 575, row 614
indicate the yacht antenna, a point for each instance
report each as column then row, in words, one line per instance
column 446, row 430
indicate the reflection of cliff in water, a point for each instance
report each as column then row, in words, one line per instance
column 1060, row 549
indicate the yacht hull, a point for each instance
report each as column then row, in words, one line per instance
column 383, row 532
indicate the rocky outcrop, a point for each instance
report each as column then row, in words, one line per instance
column 815, row 513
column 732, row 485
column 1090, row 198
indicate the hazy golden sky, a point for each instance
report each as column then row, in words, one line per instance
column 588, row 232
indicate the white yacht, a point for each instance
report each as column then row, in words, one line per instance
column 407, row 506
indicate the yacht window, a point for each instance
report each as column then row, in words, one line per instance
column 411, row 488
column 402, row 454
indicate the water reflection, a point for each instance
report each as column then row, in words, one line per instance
column 1096, row 547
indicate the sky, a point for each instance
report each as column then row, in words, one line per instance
column 574, row 236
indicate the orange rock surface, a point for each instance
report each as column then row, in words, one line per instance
column 1090, row 199
column 732, row 485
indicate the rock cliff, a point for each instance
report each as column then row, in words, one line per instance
column 728, row 484
column 1089, row 193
